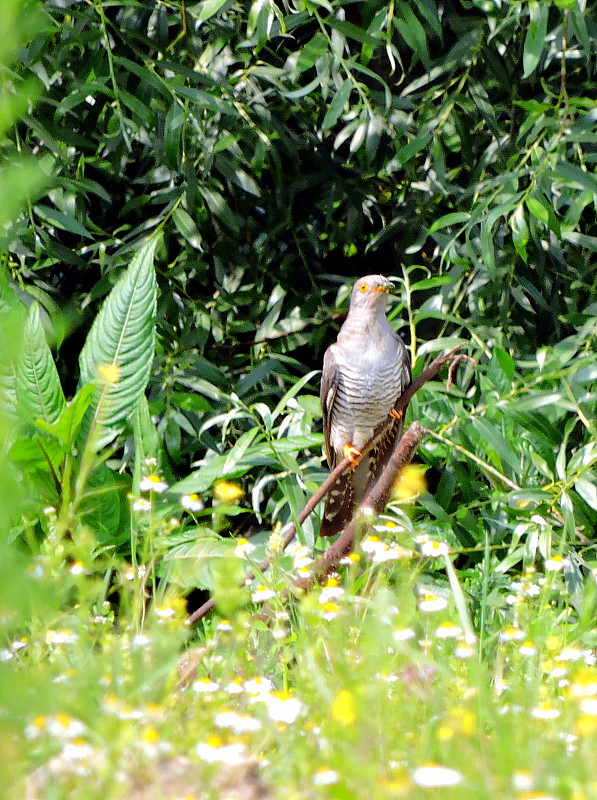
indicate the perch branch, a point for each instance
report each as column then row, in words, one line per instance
column 452, row 357
column 373, row 504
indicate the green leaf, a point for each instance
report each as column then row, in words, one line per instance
column 206, row 100
column 294, row 389
column 588, row 491
column 537, row 400
column 493, row 441
column 220, row 208
column 537, row 209
column 413, row 33
column 487, row 250
column 506, row 362
column 67, row 426
column 336, row 107
column 520, row 232
column 39, row 392
column 208, row 8
column 353, row 31
column 295, row 444
column 450, row 219
column 62, row 221
column 570, row 173
column 236, row 454
column 200, row 480
column 186, row 227
column 483, row 103
column 302, row 91
column 192, row 563
column 407, row 151
column 431, row 283
column 104, row 508
column 312, row 52
column 147, row 442
column 535, row 38
column 121, row 340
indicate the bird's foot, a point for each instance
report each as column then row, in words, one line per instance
column 353, row 455
column 396, row 414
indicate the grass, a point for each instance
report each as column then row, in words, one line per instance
column 366, row 687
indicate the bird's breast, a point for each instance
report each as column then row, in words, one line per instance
column 368, row 387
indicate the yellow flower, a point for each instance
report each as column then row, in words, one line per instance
column 586, row 725
column 109, row 374
column 343, row 708
column 227, row 492
column 150, row 736
column 459, row 721
column 410, row 483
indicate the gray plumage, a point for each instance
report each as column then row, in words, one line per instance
column 364, row 374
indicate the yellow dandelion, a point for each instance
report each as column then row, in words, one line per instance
column 150, row 736
column 330, row 611
column 227, row 492
column 461, row 721
column 343, row 708
column 586, row 725
column 410, row 483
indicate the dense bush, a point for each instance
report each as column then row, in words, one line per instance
column 279, row 147
column 185, row 190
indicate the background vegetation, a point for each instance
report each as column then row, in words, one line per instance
column 185, row 190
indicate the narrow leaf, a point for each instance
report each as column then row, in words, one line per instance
column 61, row 220
column 537, row 209
column 210, row 7
column 588, row 491
column 537, row 30
column 186, row 226
column 337, row 105
column 570, row 173
column 450, row 219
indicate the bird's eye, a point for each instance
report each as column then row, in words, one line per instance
column 364, row 287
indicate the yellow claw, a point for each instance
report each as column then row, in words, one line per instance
column 353, row 455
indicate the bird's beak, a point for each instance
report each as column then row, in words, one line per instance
column 387, row 287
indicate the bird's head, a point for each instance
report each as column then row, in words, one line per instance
column 370, row 292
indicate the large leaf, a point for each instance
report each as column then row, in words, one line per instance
column 39, row 392
column 119, row 350
column 191, row 564
column 12, row 322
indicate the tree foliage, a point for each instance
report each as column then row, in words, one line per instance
column 279, row 147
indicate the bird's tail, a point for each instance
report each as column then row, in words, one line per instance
column 339, row 505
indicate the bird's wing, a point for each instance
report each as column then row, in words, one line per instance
column 327, row 395
column 405, row 370
column 384, row 446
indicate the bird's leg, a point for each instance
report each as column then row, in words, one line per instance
column 353, row 455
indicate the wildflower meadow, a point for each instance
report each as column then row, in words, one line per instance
column 187, row 192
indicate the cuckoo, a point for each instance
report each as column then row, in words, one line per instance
column 364, row 374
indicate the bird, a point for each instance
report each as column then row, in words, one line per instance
column 364, row 373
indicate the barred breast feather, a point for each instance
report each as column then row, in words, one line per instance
column 364, row 374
